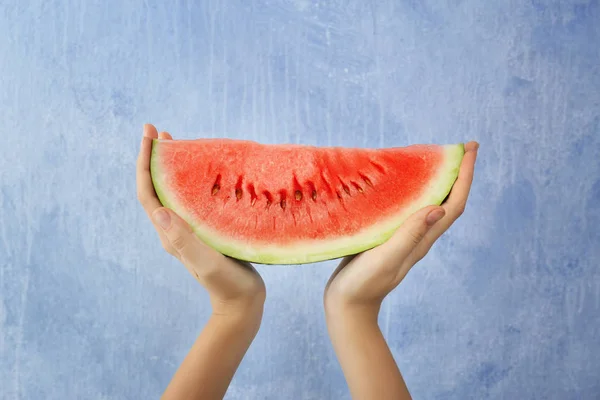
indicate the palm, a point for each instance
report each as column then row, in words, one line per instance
column 355, row 279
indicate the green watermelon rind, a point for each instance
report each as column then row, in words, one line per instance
column 303, row 253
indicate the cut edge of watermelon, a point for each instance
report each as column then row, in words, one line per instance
column 317, row 250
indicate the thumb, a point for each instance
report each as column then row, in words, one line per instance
column 413, row 230
column 178, row 232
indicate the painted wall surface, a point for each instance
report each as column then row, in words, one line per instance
column 506, row 305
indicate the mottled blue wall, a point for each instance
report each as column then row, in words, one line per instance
column 507, row 305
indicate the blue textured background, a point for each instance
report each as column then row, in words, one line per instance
column 507, row 305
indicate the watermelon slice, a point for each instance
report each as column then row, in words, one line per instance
column 293, row 204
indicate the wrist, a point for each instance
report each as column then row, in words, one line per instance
column 238, row 309
column 246, row 319
column 345, row 311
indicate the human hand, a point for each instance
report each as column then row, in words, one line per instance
column 363, row 281
column 235, row 287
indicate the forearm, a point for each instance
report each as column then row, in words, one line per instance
column 365, row 358
column 210, row 365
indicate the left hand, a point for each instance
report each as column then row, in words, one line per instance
column 365, row 279
column 235, row 287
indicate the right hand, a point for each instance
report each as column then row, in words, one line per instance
column 365, row 279
column 235, row 287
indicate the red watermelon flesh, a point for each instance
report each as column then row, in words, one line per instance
column 292, row 204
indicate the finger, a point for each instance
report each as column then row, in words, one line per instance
column 165, row 136
column 457, row 200
column 145, row 188
column 409, row 235
column 183, row 240
column 164, row 241
column 454, row 206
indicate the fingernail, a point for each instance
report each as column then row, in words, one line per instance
column 146, row 131
column 162, row 218
column 476, row 146
column 435, row 216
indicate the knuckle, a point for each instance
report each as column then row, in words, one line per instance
column 460, row 209
column 418, row 256
column 168, row 248
column 416, row 235
column 178, row 242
